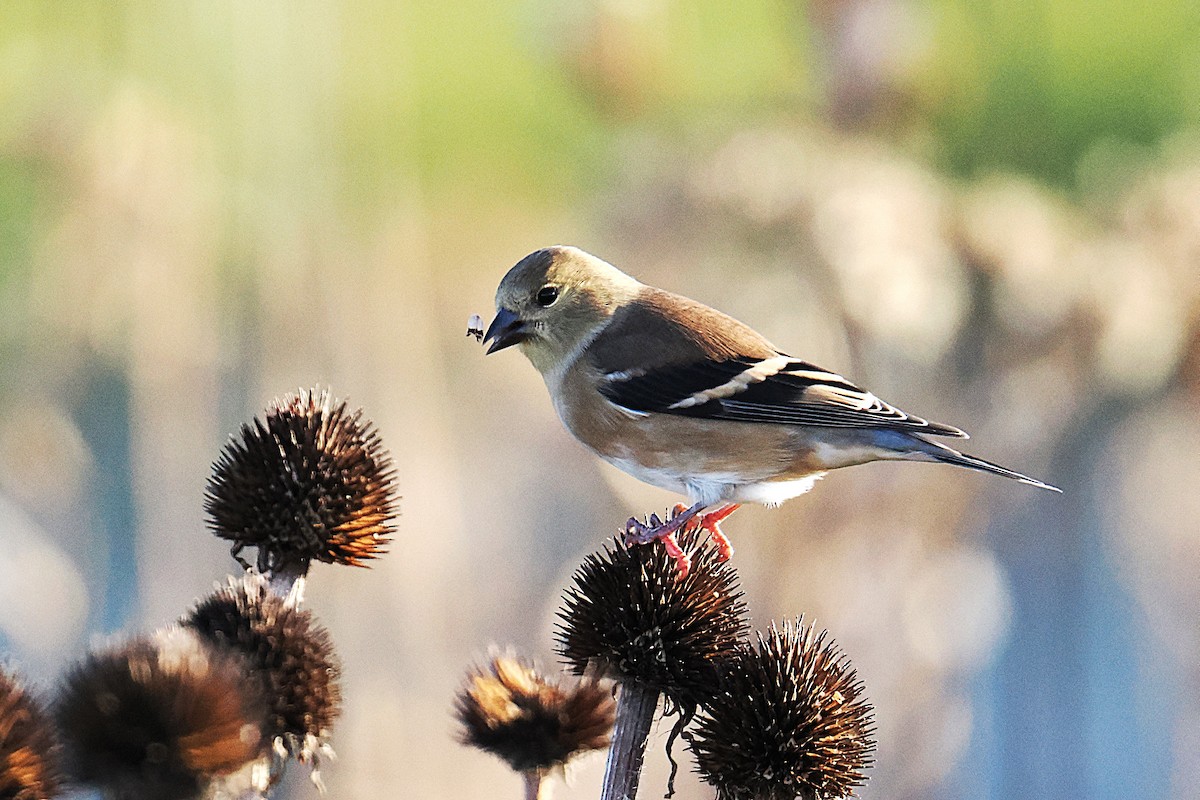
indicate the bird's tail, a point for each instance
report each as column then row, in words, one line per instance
column 946, row 455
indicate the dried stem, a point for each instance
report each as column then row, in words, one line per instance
column 635, row 713
column 287, row 580
column 537, row 787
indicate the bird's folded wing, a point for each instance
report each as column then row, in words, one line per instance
column 674, row 356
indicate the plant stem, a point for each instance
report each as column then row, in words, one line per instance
column 635, row 713
column 536, row 785
column 287, row 581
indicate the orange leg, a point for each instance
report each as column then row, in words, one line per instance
column 682, row 562
column 682, row 518
column 711, row 522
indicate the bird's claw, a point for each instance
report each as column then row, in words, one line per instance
column 681, row 518
column 712, row 524
column 683, row 564
column 638, row 532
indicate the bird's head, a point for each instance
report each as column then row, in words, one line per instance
column 554, row 300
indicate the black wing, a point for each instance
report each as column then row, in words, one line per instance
column 777, row 389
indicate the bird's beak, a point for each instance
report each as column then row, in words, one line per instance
column 507, row 329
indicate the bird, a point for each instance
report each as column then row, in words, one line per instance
column 689, row 399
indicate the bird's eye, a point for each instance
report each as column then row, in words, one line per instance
column 547, row 295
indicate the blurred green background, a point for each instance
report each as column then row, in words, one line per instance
column 987, row 212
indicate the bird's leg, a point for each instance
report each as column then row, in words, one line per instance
column 682, row 518
column 682, row 562
column 678, row 509
column 637, row 532
column 711, row 522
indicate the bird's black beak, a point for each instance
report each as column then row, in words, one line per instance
column 507, row 329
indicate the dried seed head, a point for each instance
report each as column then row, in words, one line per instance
column 28, row 749
column 533, row 723
column 632, row 617
column 285, row 648
column 789, row 722
column 158, row 717
column 310, row 481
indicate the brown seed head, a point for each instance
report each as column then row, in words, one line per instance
column 310, row 481
column 533, row 723
column 789, row 722
column 631, row 616
column 285, row 648
column 158, row 717
column 28, row 750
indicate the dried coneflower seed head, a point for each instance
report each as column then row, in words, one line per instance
column 285, row 648
column 310, row 481
column 28, row 748
column 633, row 618
column 158, row 717
column 790, row 721
column 533, row 723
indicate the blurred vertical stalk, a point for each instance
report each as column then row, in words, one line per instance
column 635, row 713
column 863, row 42
column 536, row 785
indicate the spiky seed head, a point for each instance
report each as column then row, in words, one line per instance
column 28, row 744
column 286, row 648
column 534, row 723
column 630, row 616
column 158, row 717
column 789, row 722
column 310, row 481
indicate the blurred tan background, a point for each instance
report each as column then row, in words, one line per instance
column 987, row 212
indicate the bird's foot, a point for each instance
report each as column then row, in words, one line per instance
column 683, row 563
column 638, row 532
column 711, row 523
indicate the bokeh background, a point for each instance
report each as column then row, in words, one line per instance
column 987, row 211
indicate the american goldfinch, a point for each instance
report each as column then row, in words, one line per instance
column 686, row 398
